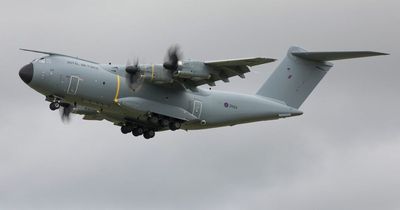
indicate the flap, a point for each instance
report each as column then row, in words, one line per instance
column 240, row 62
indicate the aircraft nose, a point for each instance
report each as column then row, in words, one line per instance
column 26, row 73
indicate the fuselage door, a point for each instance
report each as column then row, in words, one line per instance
column 73, row 85
column 197, row 106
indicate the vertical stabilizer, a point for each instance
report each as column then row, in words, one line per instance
column 300, row 72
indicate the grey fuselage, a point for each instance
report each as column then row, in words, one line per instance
column 103, row 88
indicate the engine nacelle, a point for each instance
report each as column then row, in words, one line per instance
column 192, row 75
column 193, row 70
column 157, row 74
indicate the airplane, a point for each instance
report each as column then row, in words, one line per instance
column 143, row 99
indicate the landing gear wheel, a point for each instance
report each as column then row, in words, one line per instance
column 126, row 129
column 164, row 123
column 54, row 106
column 174, row 125
column 149, row 134
column 137, row 131
column 153, row 119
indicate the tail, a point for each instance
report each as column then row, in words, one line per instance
column 300, row 72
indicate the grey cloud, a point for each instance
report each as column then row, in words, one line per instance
column 341, row 154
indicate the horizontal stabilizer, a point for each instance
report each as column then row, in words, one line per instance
column 331, row 56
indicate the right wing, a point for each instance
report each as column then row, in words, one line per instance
column 225, row 69
column 239, row 62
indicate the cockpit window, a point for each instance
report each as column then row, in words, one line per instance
column 42, row 60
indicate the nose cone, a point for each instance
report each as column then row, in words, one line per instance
column 26, row 73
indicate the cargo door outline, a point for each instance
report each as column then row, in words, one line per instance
column 197, row 108
column 73, row 85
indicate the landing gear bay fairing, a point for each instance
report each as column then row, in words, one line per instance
column 143, row 99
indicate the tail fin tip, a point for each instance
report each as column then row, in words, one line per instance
column 331, row 56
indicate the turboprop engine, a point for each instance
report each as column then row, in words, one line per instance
column 158, row 74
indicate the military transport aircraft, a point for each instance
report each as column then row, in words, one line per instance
column 146, row 98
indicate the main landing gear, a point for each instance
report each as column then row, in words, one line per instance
column 138, row 131
column 126, row 129
column 164, row 122
column 174, row 125
column 154, row 123
column 149, row 134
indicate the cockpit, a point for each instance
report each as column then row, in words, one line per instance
column 42, row 60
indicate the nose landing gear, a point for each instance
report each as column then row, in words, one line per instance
column 54, row 106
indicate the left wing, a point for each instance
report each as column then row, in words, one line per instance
column 55, row 54
column 224, row 69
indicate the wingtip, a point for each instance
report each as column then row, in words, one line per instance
column 28, row 50
column 375, row 53
column 380, row 53
column 269, row 60
column 37, row 51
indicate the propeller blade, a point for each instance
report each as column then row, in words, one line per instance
column 133, row 75
column 172, row 58
column 65, row 112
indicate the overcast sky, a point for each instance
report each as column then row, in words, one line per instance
column 343, row 153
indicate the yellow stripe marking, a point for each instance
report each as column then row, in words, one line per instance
column 152, row 72
column 117, row 91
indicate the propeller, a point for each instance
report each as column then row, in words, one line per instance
column 65, row 112
column 172, row 58
column 134, row 76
